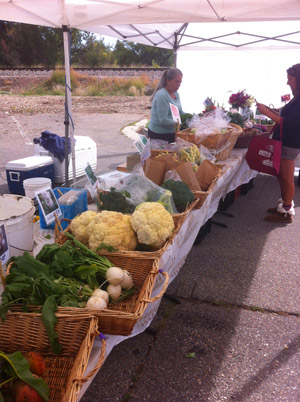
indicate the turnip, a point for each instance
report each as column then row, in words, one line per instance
column 102, row 294
column 114, row 275
column 114, row 291
column 127, row 282
column 96, row 303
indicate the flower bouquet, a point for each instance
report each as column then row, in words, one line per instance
column 241, row 100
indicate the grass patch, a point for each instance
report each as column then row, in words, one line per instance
column 84, row 85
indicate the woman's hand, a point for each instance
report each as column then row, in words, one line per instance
column 266, row 111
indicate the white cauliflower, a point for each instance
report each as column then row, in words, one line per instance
column 79, row 224
column 112, row 229
column 152, row 223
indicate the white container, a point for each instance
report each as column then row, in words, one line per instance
column 16, row 213
column 85, row 152
column 35, row 184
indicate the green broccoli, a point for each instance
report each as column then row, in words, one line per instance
column 115, row 201
column 182, row 195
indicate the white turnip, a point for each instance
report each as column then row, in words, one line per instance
column 102, row 294
column 127, row 282
column 114, row 291
column 115, row 275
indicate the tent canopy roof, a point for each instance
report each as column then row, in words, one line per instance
column 163, row 23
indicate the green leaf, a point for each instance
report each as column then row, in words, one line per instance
column 19, row 368
column 49, row 319
column 190, row 355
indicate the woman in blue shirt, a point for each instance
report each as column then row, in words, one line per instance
column 162, row 125
column 290, row 116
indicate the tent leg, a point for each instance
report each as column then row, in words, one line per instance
column 69, row 127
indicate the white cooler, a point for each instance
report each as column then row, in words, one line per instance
column 85, row 152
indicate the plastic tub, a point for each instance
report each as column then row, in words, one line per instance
column 35, row 184
column 16, row 213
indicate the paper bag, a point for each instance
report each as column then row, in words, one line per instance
column 206, row 174
column 187, row 175
column 155, row 170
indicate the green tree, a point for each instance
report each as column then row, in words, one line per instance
column 129, row 53
column 33, row 45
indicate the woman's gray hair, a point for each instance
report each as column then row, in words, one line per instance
column 167, row 75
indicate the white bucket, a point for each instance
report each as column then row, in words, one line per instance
column 35, row 184
column 16, row 213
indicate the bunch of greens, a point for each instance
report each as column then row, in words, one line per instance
column 59, row 276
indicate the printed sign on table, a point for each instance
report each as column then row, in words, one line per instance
column 48, row 204
column 4, row 249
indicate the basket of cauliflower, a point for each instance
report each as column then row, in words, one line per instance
column 147, row 231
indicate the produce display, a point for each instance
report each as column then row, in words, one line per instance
column 67, row 276
column 20, row 377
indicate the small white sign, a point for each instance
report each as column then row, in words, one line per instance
column 48, row 204
column 175, row 113
column 4, row 249
column 92, row 178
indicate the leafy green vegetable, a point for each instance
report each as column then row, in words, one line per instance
column 185, row 120
column 59, row 276
column 182, row 195
column 162, row 196
column 115, row 201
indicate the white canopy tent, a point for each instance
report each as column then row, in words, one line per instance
column 173, row 24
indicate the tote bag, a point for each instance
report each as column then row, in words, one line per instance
column 264, row 154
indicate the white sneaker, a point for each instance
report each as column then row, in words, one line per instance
column 282, row 210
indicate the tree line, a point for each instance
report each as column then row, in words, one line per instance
column 34, row 46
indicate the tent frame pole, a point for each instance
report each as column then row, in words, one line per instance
column 69, row 127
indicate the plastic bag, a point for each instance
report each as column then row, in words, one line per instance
column 139, row 189
column 214, row 122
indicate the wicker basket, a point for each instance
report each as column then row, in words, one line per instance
column 60, row 238
column 226, row 151
column 245, row 138
column 202, row 195
column 120, row 317
column 188, row 136
column 65, row 373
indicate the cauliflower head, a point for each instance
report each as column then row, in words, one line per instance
column 152, row 223
column 79, row 224
column 113, row 229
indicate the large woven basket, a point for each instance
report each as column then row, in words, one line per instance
column 60, row 238
column 227, row 149
column 120, row 317
column 245, row 138
column 188, row 136
column 202, row 195
column 65, row 373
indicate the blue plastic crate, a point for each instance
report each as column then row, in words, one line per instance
column 68, row 211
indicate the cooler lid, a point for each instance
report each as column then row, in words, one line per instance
column 82, row 142
column 29, row 162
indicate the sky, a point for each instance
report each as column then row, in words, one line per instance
column 217, row 74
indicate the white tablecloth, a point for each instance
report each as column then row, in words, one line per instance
column 173, row 258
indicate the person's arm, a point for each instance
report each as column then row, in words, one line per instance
column 273, row 114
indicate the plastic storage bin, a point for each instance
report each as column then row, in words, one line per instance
column 68, row 211
column 33, row 166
